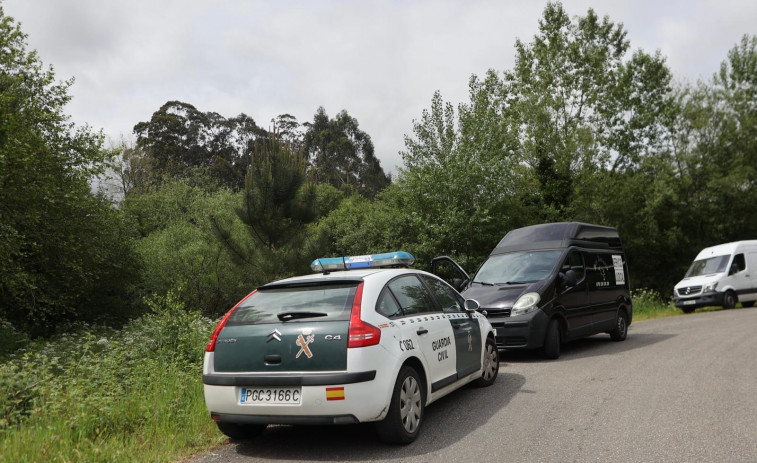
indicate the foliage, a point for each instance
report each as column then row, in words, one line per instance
column 178, row 248
column 103, row 395
column 179, row 138
column 63, row 252
column 277, row 203
column 342, row 155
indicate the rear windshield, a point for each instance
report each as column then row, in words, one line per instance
column 708, row 266
column 296, row 304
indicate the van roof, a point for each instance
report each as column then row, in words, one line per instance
column 560, row 235
column 725, row 249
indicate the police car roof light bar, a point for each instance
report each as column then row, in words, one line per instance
column 387, row 259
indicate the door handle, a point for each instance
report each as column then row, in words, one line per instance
column 422, row 331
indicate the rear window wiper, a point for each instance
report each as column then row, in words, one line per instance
column 284, row 316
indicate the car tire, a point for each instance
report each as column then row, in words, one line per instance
column 490, row 364
column 402, row 423
column 747, row 304
column 551, row 348
column 241, row 431
column 620, row 332
column 729, row 300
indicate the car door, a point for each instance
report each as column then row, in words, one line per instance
column 423, row 323
column 450, row 271
column 574, row 299
column 466, row 329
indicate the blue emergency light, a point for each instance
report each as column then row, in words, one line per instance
column 387, row 259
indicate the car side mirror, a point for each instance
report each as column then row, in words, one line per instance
column 471, row 305
column 569, row 278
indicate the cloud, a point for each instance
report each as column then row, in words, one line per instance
column 381, row 60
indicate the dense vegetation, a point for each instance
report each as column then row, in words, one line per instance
column 106, row 298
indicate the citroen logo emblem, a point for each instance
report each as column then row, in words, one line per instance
column 276, row 334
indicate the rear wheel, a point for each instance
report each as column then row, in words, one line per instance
column 241, row 431
column 729, row 300
column 747, row 304
column 621, row 327
column 403, row 422
column 552, row 340
column 490, row 363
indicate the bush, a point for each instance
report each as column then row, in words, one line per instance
column 100, row 394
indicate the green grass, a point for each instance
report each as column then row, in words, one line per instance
column 649, row 305
column 103, row 395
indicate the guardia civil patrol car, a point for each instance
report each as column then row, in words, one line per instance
column 367, row 339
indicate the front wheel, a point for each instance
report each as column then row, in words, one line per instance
column 403, row 422
column 729, row 300
column 620, row 331
column 552, row 340
column 490, row 363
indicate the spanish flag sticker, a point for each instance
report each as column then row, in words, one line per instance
column 335, row 393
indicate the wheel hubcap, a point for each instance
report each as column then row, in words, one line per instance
column 490, row 362
column 410, row 404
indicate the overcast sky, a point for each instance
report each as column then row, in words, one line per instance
column 380, row 60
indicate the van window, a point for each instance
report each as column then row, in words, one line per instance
column 738, row 264
column 574, row 262
column 708, row 266
column 517, row 267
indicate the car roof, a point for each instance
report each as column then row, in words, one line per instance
column 341, row 276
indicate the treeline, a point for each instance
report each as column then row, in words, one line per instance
column 207, row 207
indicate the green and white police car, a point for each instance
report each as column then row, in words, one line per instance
column 366, row 339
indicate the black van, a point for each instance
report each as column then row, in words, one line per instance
column 547, row 284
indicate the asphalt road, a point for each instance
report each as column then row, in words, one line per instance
column 678, row 389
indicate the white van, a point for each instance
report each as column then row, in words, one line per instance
column 720, row 275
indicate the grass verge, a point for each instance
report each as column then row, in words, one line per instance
column 103, row 395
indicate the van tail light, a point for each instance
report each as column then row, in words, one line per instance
column 361, row 334
column 211, row 347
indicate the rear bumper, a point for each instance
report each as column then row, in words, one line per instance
column 278, row 419
column 713, row 298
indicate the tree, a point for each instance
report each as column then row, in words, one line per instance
column 278, row 202
column 180, row 140
column 63, row 253
column 342, row 155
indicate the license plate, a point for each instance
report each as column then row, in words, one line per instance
column 689, row 302
column 270, row 395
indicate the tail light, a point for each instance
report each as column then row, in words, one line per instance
column 211, row 347
column 361, row 334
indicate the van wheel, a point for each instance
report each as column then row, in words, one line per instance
column 552, row 340
column 729, row 300
column 621, row 327
column 491, row 365
column 241, row 431
column 403, row 422
column 747, row 304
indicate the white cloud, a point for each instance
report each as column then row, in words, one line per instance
column 380, row 60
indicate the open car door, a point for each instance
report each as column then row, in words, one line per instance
column 450, row 271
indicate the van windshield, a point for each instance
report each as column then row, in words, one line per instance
column 517, row 267
column 708, row 266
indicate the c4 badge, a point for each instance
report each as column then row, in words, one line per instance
column 303, row 340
